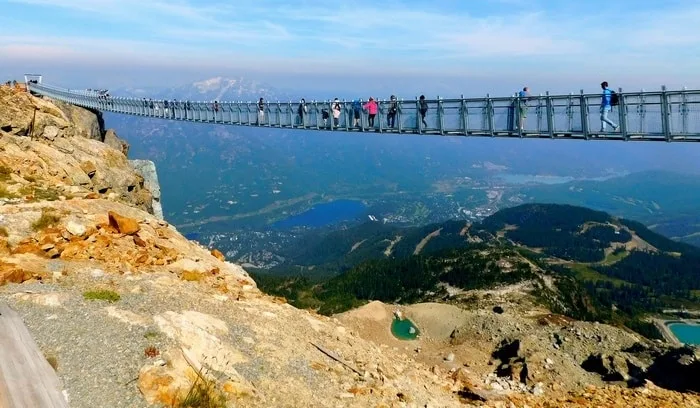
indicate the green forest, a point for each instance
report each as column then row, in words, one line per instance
column 622, row 288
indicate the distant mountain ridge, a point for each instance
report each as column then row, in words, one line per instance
column 217, row 88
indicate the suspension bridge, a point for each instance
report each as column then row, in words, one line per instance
column 664, row 115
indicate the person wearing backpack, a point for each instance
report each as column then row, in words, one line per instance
column 336, row 108
column 357, row 111
column 393, row 110
column 423, row 109
column 606, row 105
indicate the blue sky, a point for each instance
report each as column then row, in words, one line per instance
column 487, row 45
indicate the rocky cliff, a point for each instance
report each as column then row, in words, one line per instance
column 130, row 313
column 147, row 170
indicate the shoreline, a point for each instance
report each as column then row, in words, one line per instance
column 667, row 333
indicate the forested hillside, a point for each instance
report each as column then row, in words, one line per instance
column 603, row 268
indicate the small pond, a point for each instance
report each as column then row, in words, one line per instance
column 404, row 329
column 686, row 333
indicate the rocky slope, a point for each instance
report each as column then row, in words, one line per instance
column 130, row 313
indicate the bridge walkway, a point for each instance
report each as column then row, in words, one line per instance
column 669, row 116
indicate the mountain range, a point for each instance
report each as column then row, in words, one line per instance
column 212, row 89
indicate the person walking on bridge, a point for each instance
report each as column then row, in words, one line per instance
column 371, row 108
column 605, row 107
column 393, row 110
column 423, row 109
column 301, row 111
column 261, row 112
column 522, row 114
column 356, row 112
column 215, row 108
column 336, row 109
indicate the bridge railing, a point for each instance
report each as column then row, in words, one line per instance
column 658, row 115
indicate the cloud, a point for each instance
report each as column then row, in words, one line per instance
column 363, row 37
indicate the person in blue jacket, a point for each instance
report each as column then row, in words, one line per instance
column 606, row 107
column 357, row 112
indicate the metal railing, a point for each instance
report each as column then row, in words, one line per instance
column 649, row 116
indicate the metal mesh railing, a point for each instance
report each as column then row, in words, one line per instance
column 661, row 115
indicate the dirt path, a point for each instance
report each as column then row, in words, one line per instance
column 425, row 241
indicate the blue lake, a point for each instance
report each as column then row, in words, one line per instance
column 686, row 333
column 325, row 214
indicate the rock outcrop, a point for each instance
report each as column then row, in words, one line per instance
column 147, row 170
column 59, row 161
column 87, row 123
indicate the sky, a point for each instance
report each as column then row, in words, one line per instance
column 446, row 47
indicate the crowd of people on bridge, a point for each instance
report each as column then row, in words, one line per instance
column 169, row 109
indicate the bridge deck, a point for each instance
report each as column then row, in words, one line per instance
column 26, row 378
column 670, row 116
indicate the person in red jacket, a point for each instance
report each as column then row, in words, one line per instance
column 371, row 107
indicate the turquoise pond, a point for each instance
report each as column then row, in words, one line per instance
column 686, row 333
column 401, row 329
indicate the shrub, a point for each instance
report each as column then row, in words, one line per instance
column 5, row 172
column 108, row 295
column 3, row 232
column 47, row 219
column 48, row 194
column 4, row 193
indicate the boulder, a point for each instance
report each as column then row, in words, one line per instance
column 10, row 273
column 75, row 229
column 124, row 225
column 218, row 255
column 89, row 168
column 112, row 140
column 677, row 369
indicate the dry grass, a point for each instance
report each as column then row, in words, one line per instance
column 40, row 193
column 204, row 393
column 5, row 193
column 5, row 172
column 53, row 361
column 46, row 220
column 151, row 334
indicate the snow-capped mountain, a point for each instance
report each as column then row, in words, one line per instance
column 213, row 89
